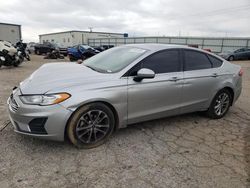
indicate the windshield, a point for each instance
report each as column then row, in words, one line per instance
column 115, row 59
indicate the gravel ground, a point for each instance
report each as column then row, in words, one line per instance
column 184, row 151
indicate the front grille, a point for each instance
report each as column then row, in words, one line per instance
column 37, row 126
column 13, row 104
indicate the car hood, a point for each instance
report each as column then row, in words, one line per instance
column 55, row 76
column 72, row 50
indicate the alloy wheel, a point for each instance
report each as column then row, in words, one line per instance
column 92, row 126
column 221, row 104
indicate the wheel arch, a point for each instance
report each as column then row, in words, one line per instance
column 228, row 88
column 231, row 56
column 231, row 92
column 112, row 108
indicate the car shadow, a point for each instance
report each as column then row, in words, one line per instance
column 32, row 142
column 247, row 152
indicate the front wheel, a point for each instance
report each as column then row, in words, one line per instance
column 71, row 58
column 91, row 125
column 28, row 57
column 220, row 104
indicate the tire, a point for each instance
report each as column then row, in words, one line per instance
column 16, row 64
column 217, row 102
column 84, row 130
column 38, row 52
column 71, row 58
column 231, row 58
column 28, row 57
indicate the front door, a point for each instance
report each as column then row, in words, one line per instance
column 160, row 96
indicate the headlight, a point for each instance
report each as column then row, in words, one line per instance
column 44, row 100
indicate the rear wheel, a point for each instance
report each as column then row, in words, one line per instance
column 231, row 58
column 16, row 64
column 220, row 104
column 91, row 125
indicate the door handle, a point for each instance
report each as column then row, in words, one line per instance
column 214, row 75
column 173, row 79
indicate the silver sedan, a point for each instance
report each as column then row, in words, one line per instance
column 124, row 85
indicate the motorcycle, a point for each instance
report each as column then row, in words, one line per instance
column 9, row 56
column 55, row 54
column 22, row 47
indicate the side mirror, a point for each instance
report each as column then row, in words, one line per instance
column 144, row 74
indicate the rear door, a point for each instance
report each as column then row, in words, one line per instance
column 246, row 54
column 200, row 80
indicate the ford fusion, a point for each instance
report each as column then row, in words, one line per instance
column 124, row 85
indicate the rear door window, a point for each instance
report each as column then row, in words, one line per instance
column 195, row 60
column 215, row 61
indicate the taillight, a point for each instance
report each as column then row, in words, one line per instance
column 241, row 72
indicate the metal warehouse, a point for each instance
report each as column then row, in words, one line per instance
column 10, row 32
column 71, row 38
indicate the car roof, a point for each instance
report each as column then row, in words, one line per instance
column 157, row 46
column 154, row 47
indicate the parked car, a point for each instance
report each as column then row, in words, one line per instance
column 197, row 46
column 81, row 52
column 103, row 47
column 31, row 47
column 48, row 47
column 62, row 48
column 120, row 86
column 240, row 54
column 44, row 48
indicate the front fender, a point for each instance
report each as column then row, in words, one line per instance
column 115, row 96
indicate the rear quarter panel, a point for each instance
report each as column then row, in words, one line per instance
column 228, row 77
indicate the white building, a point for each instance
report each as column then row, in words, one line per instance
column 71, row 38
column 10, row 32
